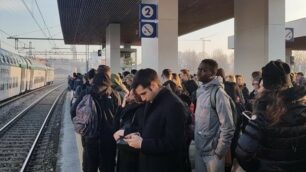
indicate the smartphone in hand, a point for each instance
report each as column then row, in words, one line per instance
column 249, row 115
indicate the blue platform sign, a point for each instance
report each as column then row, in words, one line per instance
column 148, row 29
column 148, row 12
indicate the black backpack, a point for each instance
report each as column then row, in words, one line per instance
column 236, row 114
column 86, row 121
column 213, row 96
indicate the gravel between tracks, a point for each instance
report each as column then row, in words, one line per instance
column 16, row 142
column 44, row 157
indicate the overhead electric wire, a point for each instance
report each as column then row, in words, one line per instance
column 7, row 43
column 25, row 33
column 4, row 32
column 34, row 18
column 43, row 20
column 9, row 35
column 57, row 33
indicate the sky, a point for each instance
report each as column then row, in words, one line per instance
column 16, row 19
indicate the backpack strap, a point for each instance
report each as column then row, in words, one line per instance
column 97, row 110
column 213, row 97
column 213, row 101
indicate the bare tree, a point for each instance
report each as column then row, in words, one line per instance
column 223, row 60
column 299, row 61
column 231, row 60
column 189, row 60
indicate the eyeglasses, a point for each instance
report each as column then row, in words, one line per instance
column 255, row 83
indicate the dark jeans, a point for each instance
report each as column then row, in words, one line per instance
column 84, row 165
column 99, row 154
column 186, row 157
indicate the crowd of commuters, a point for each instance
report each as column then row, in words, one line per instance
column 140, row 121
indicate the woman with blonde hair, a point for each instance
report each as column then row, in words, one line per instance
column 118, row 85
column 128, row 80
column 230, row 78
column 177, row 80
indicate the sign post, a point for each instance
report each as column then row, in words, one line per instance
column 148, row 20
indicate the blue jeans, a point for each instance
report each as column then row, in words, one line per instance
column 209, row 163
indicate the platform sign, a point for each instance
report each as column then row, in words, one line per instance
column 289, row 34
column 148, row 29
column 148, row 12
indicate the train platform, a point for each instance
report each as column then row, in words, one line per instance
column 70, row 149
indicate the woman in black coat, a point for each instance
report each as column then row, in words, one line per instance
column 130, row 121
column 100, row 150
column 276, row 139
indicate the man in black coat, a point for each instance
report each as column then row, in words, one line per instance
column 161, row 142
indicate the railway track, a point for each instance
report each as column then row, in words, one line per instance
column 18, row 138
column 6, row 102
column 9, row 110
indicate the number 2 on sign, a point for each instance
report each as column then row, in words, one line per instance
column 148, row 11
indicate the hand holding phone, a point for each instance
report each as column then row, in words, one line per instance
column 249, row 115
column 134, row 140
column 118, row 134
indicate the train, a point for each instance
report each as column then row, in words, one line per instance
column 19, row 74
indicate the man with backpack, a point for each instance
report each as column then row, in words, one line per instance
column 214, row 124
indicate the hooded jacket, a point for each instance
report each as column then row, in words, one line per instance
column 214, row 129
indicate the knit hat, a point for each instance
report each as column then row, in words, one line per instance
column 275, row 75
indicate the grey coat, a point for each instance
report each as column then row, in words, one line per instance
column 213, row 131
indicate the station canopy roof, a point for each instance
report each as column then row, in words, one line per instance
column 85, row 21
column 298, row 44
column 299, row 27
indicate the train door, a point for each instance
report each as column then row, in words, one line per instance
column 46, row 77
column 2, row 83
column 9, row 82
column 23, row 80
column 28, row 79
column 31, row 79
column 16, row 80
